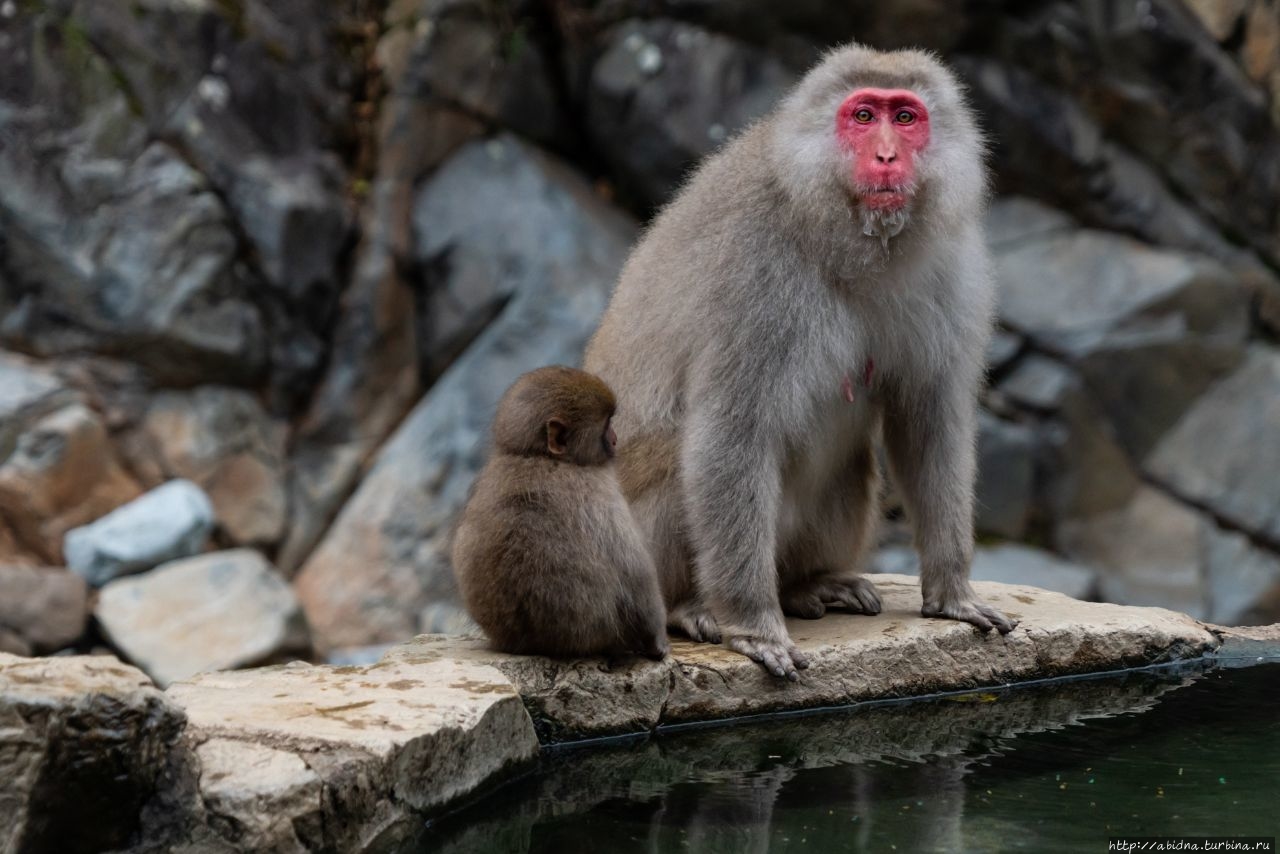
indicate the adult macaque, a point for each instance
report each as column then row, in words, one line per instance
column 820, row 276
column 547, row 554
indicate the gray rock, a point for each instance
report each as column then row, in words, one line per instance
column 85, row 744
column 1242, row 579
column 46, row 607
column 1002, row 349
column 1225, row 452
column 27, row 391
column 381, row 743
column 1006, row 476
column 506, row 219
column 170, row 521
column 1037, row 383
column 1008, row 563
column 1146, row 381
column 1013, row 219
column 1089, row 472
column 663, row 93
column 1068, row 291
column 212, row 612
column 1148, row 552
column 852, row 657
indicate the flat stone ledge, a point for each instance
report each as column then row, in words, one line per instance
column 304, row 757
column 897, row 653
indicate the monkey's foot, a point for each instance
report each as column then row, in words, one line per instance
column 809, row 601
column 970, row 609
column 694, row 621
column 658, row 647
column 781, row 658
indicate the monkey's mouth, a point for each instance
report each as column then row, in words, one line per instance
column 886, row 198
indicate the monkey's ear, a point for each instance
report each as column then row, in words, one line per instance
column 557, row 437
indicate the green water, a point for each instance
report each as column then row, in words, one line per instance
column 1054, row 767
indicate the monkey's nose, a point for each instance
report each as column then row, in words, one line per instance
column 886, row 156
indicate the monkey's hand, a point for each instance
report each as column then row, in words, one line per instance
column 779, row 657
column 965, row 604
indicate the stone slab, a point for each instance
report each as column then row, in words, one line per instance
column 897, row 653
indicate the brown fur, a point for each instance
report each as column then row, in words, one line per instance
column 547, row 554
column 756, row 300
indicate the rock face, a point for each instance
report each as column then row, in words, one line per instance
column 896, row 653
column 83, row 741
column 1225, row 452
column 212, row 612
column 44, row 607
column 170, row 521
column 322, row 758
column 498, row 219
column 665, row 93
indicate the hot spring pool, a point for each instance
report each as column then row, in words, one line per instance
column 1058, row 766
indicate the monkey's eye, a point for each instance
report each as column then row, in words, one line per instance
column 904, row 117
column 862, row 116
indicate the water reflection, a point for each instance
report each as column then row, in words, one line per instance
column 1054, row 767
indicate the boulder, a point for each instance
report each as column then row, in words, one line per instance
column 212, row 612
column 83, row 741
column 222, row 440
column 1005, row 491
column 505, row 219
column 60, row 472
column 1008, row 563
column 1037, row 383
column 1225, row 452
column 665, row 93
column 896, row 653
column 1014, row 219
column 170, row 521
column 1149, row 552
column 46, row 607
column 336, row 758
column 1068, row 291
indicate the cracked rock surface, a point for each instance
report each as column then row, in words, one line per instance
column 852, row 657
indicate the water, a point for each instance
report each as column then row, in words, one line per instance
column 1055, row 767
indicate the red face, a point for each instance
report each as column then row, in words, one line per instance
column 884, row 129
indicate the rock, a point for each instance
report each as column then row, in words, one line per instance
column 1225, row 452
column 346, row 753
column 896, row 653
column 1002, row 349
column 1148, row 552
column 1146, row 381
column 84, row 740
column 507, row 219
column 222, row 440
column 1220, row 17
column 1006, row 476
column 1089, row 473
column 265, row 799
column 1243, row 579
column 1013, row 219
column 1068, row 291
column 1047, row 146
column 212, row 612
column 1217, row 147
column 170, row 521
column 664, row 93
column 1037, row 383
column 46, row 607
column 28, row 390
column 59, row 472
column 1009, row 563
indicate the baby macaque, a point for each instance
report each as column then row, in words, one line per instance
column 547, row 554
